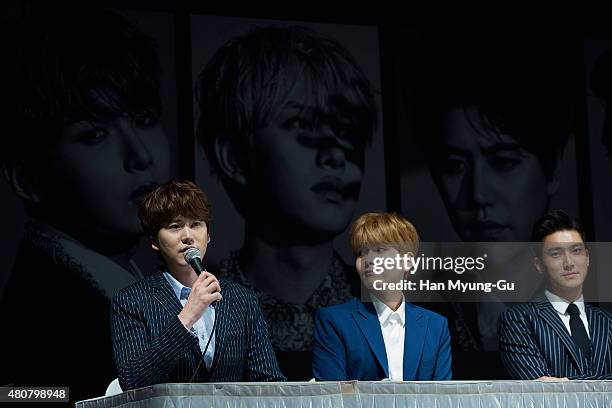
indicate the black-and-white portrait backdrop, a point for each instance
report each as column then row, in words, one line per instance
column 209, row 33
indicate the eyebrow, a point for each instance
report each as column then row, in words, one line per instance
column 72, row 121
column 299, row 107
column 488, row 151
column 572, row 246
column 306, row 109
column 501, row 147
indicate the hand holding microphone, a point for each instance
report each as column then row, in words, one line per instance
column 205, row 290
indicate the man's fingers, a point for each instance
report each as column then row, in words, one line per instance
column 203, row 276
column 215, row 287
column 210, row 279
column 206, row 282
column 206, row 287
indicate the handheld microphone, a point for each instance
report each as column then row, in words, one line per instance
column 194, row 258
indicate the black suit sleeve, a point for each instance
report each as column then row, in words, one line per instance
column 519, row 352
column 261, row 361
column 142, row 360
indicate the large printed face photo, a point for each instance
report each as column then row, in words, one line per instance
column 487, row 119
column 289, row 149
column 305, row 173
column 301, row 170
column 598, row 97
column 93, row 117
column 98, row 173
column 493, row 188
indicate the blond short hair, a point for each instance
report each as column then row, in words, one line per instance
column 383, row 228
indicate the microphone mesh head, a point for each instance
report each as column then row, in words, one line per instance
column 192, row 253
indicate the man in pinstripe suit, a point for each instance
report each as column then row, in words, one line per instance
column 163, row 327
column 558, row 336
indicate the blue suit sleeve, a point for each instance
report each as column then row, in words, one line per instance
column 329, row 351
column 443, row 363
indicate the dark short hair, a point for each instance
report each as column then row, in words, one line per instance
column 554, row 221
column 250, row 78
column 518, row 87
column 170, row 200
column 63, row 66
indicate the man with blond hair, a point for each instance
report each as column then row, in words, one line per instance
column 381, row 336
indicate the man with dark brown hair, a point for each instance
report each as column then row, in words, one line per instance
column 559, row 336
column 175, row 326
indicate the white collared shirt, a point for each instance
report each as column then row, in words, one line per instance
column 561, row 305
column 202, row 327
column 392, row 324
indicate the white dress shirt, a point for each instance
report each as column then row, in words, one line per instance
column 202, row 327
column 392, row 324
column 561, row 305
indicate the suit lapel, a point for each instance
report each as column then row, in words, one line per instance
column 163, row 293
column 415, row 332
column 599, row 330
column 366, row 318
column 549, row 315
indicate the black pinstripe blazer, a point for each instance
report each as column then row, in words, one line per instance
column 534, row 342
column 152, row 346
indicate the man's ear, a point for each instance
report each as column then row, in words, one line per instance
column 359, row 264
column 537, row 262
column 226, row 157
column 154, row 243
column 552, row 185
column 21, row 182
column 410, row 256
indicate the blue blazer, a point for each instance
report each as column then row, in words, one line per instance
column 349, row 344
column 152, row 346
column 534, row 342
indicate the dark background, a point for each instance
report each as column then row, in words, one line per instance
column 396, row 177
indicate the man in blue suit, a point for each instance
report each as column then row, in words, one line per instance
column 559, row 336
column 385, row 337
column 176, row 326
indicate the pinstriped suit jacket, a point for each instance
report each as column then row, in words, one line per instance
column 534, row 342
column 152, row 346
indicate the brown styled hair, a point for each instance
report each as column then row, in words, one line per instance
column 171, row 200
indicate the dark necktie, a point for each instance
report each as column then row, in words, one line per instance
column 579, row 334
